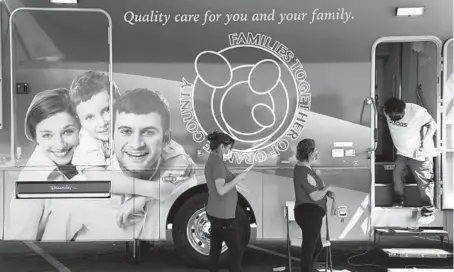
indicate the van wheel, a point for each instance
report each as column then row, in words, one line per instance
column 191, row 232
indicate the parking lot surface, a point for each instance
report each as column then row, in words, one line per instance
column 90, row 257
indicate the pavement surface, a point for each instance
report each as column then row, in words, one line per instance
column 90, row 257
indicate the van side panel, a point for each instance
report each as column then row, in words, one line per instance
column 268, row 84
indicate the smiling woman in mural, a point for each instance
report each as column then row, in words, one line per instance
column 52, row 124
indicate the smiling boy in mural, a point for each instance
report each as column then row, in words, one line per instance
column 412, row 129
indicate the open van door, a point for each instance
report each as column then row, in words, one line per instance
column 4, row 143
column 49, row 48
column 447, row 114
column 51, row 43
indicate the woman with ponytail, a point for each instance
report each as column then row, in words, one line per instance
column 310, row 203
column 222, row 202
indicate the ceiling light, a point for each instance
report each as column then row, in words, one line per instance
column 64, row 1
column 409, row 12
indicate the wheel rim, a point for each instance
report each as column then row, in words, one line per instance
column 198, row 233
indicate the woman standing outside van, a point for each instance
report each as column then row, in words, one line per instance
column 310, row 205
column 222, row 202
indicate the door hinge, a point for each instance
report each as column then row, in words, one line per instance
column 441, row 64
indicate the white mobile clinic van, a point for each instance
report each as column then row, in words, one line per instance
column 269, row 73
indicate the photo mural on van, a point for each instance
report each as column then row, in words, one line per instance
column 272, row 109
column 104, row 131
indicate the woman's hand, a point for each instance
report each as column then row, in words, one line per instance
column 241, row 176
column 328, row 189
column 333, row 207
column 331, row 194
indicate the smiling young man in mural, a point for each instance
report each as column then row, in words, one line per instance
column 90, row 94
column 412, row 129
column 147, row 167
column 144, row 150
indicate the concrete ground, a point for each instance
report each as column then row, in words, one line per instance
column 90, row 257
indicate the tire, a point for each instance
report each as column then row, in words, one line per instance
column 192, row 213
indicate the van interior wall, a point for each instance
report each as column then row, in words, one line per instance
column 398, row 75
column 388, row 87
column 402, row 73
column 419, row 67
column 422, row 72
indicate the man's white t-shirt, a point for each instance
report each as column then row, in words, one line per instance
column 406, row 133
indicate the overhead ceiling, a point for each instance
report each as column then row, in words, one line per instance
column 82, row 38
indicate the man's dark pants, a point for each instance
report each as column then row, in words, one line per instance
column 422, row 172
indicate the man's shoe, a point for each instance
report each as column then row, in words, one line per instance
column 319, row 267
column 427, row 210
column 426, row 219
column 427, row 215
column 398, row 204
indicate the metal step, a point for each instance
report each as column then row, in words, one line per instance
column 405, row 217
column 428, row 253
column 399, row 232
column 418, row 269
column 411, row 232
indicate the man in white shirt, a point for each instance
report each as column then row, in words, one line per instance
column 412, row 129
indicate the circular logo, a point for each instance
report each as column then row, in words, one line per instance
column 256, row 103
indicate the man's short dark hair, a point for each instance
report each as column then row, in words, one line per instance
column 143, row 101
column 90, row 83
column 395, row 108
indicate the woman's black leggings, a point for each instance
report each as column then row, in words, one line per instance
column 310, row 217
column 225, row 230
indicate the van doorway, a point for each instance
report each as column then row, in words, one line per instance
column 408, row 70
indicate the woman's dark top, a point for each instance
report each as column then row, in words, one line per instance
column 219, row 206
column 306, row 181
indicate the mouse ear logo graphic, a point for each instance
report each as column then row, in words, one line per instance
column 262, row 102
